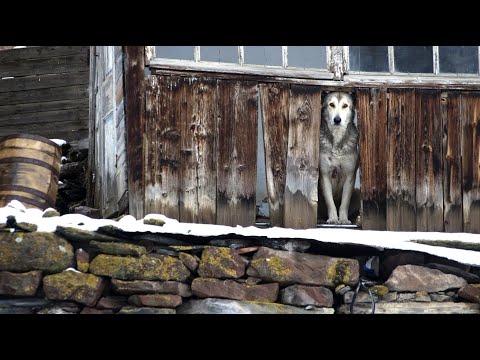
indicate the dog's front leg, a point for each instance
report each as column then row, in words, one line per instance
column 346, row 196
column 328, row 196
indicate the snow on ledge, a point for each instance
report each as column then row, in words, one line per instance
column 378, row 239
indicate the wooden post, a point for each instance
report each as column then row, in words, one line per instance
column 237, row 152
column 372, row 124
column 452, row 160
column 471, row 161
column 401, row 201
column 428, row 141
column 275, row 134
column 134, row 66
column 301, row 189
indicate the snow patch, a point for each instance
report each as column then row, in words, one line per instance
column 59, row 142
column 62, row 248
column 72, row 269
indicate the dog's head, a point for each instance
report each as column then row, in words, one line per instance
column 338, row 109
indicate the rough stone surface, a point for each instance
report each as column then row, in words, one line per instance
column 422, row 296
column 76, row 286
column 306, row 295
column 390, row 297
column 390, row 263
column 83, row 260
column 223, row 306
column 50, row 212
column 19, row 284
column 230, row 289
column 93, row 311
column 252, row 280
column 151, row 221
column 418, row 278
column 470, row 293
column 79, row 235
column 155, row 300
column 146, row 310
column 151, row 287
column 448, row 269
column 289, row 268
column 22, row 252
column 189, row 261
column 116, row 248
column 362, row 297
column 342, row 289
column 142, row 268
column 221, row 262
column 441, row 298
column 87, row 211
column 413, row 308
column 379, row 290
column 112, row 302
column 406, row 297
column 14, row 311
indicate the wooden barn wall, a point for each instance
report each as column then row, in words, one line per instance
column 109, row 146
column 44, row 91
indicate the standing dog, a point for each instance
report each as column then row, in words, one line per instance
column 338, row 155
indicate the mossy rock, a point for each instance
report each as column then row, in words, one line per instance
column 221, row 262
column 379, row 290
column 121, row 249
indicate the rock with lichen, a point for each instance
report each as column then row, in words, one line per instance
column 151, row 287
column 83, row 260
column 290, row 268
column 156, row 300
column 120, row 249
column 19, row 284
column 21, row 252
column 143, row 268
column 188, row 260
column 302, row 295
column 146, row 311
column 76, row 286
column 221, row 263
column 230, row 289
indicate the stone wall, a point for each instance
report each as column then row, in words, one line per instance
column 110, row 271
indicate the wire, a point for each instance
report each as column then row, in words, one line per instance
column 361, row 284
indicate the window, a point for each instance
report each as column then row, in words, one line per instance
column 369, row 58
column 458, row 59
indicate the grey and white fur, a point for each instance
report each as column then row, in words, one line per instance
column 338, row 155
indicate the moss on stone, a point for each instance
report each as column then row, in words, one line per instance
column 339, row 272
column 273, row 268
column 379, row 290
column 157, row 222
column 219, row 262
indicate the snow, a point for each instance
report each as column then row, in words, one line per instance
column 59, row 142
column 377, row 239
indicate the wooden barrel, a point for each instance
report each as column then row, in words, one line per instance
column 29, row 170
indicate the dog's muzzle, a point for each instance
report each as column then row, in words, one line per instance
column 337, row 120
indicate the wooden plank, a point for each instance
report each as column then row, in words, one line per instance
column 274, row 102
column 452, row 159
column 89, row 177
column 301, row 187
column 39, row 95
column 109, row 203
column 163, row 121
column 471, row 161
column 46, row 117
column 41, row 52
column 51, row 128
column 198, row 157
column 107, row 100
column 53, row 65
column 428, row 143
column 43, row 81
column 401, row 200
column 80, row 103
column 237, row 152
column 134, row 69
column 372, row 124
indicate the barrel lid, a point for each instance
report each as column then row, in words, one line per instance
column 32, row 137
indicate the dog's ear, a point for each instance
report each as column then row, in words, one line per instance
column 353, row 94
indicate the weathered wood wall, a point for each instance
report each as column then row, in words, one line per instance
column 44, row 91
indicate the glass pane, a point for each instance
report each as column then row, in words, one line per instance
column 263, row 55
column 458, row 59
column 307, row 57
column 368, row 58
column 219, row 53
column 413, row 59
column 174, row 52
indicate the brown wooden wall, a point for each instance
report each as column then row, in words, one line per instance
column 44, row 91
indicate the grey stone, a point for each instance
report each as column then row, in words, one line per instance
column 28, row 302
column 151, row 287
column 93, row 311
column 87, row 211
column 19, row 284
column 403, row 297
column 223, row 306
column 418, row 278
column 342, row 289
column 78, row 235
column 413, row 308
column 447, row 269
column 288, row 268
column 76, row 286
column 156, row 300
column 221, row 262
column 146, row 311
column 120, row 249
column 362, row 297
column 302, row 295
column 229, row 289
column 390, row 297
column 441, row 298
column 470, row 293
column 142, row 268
column 151, row 221
column 50, row 213
column 422, row 296
column 22, row 252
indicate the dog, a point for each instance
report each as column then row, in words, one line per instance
column 339, row 158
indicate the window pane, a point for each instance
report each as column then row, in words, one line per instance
column 458, row 59
column 174, row 52
column 414, row 59
column 368, row 58
column 263, row 55
column 307, row 57
column 219, row 53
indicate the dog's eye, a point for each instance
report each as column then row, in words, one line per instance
column 332, row 104
column 345, row 106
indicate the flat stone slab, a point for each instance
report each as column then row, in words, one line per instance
column 151, row 287
column 156, row 300
column 230, row 289
column 120, row 249
column 146, row 310
column 413, row 308
column 470, row 293
column 302, row 295
column 223, row 306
